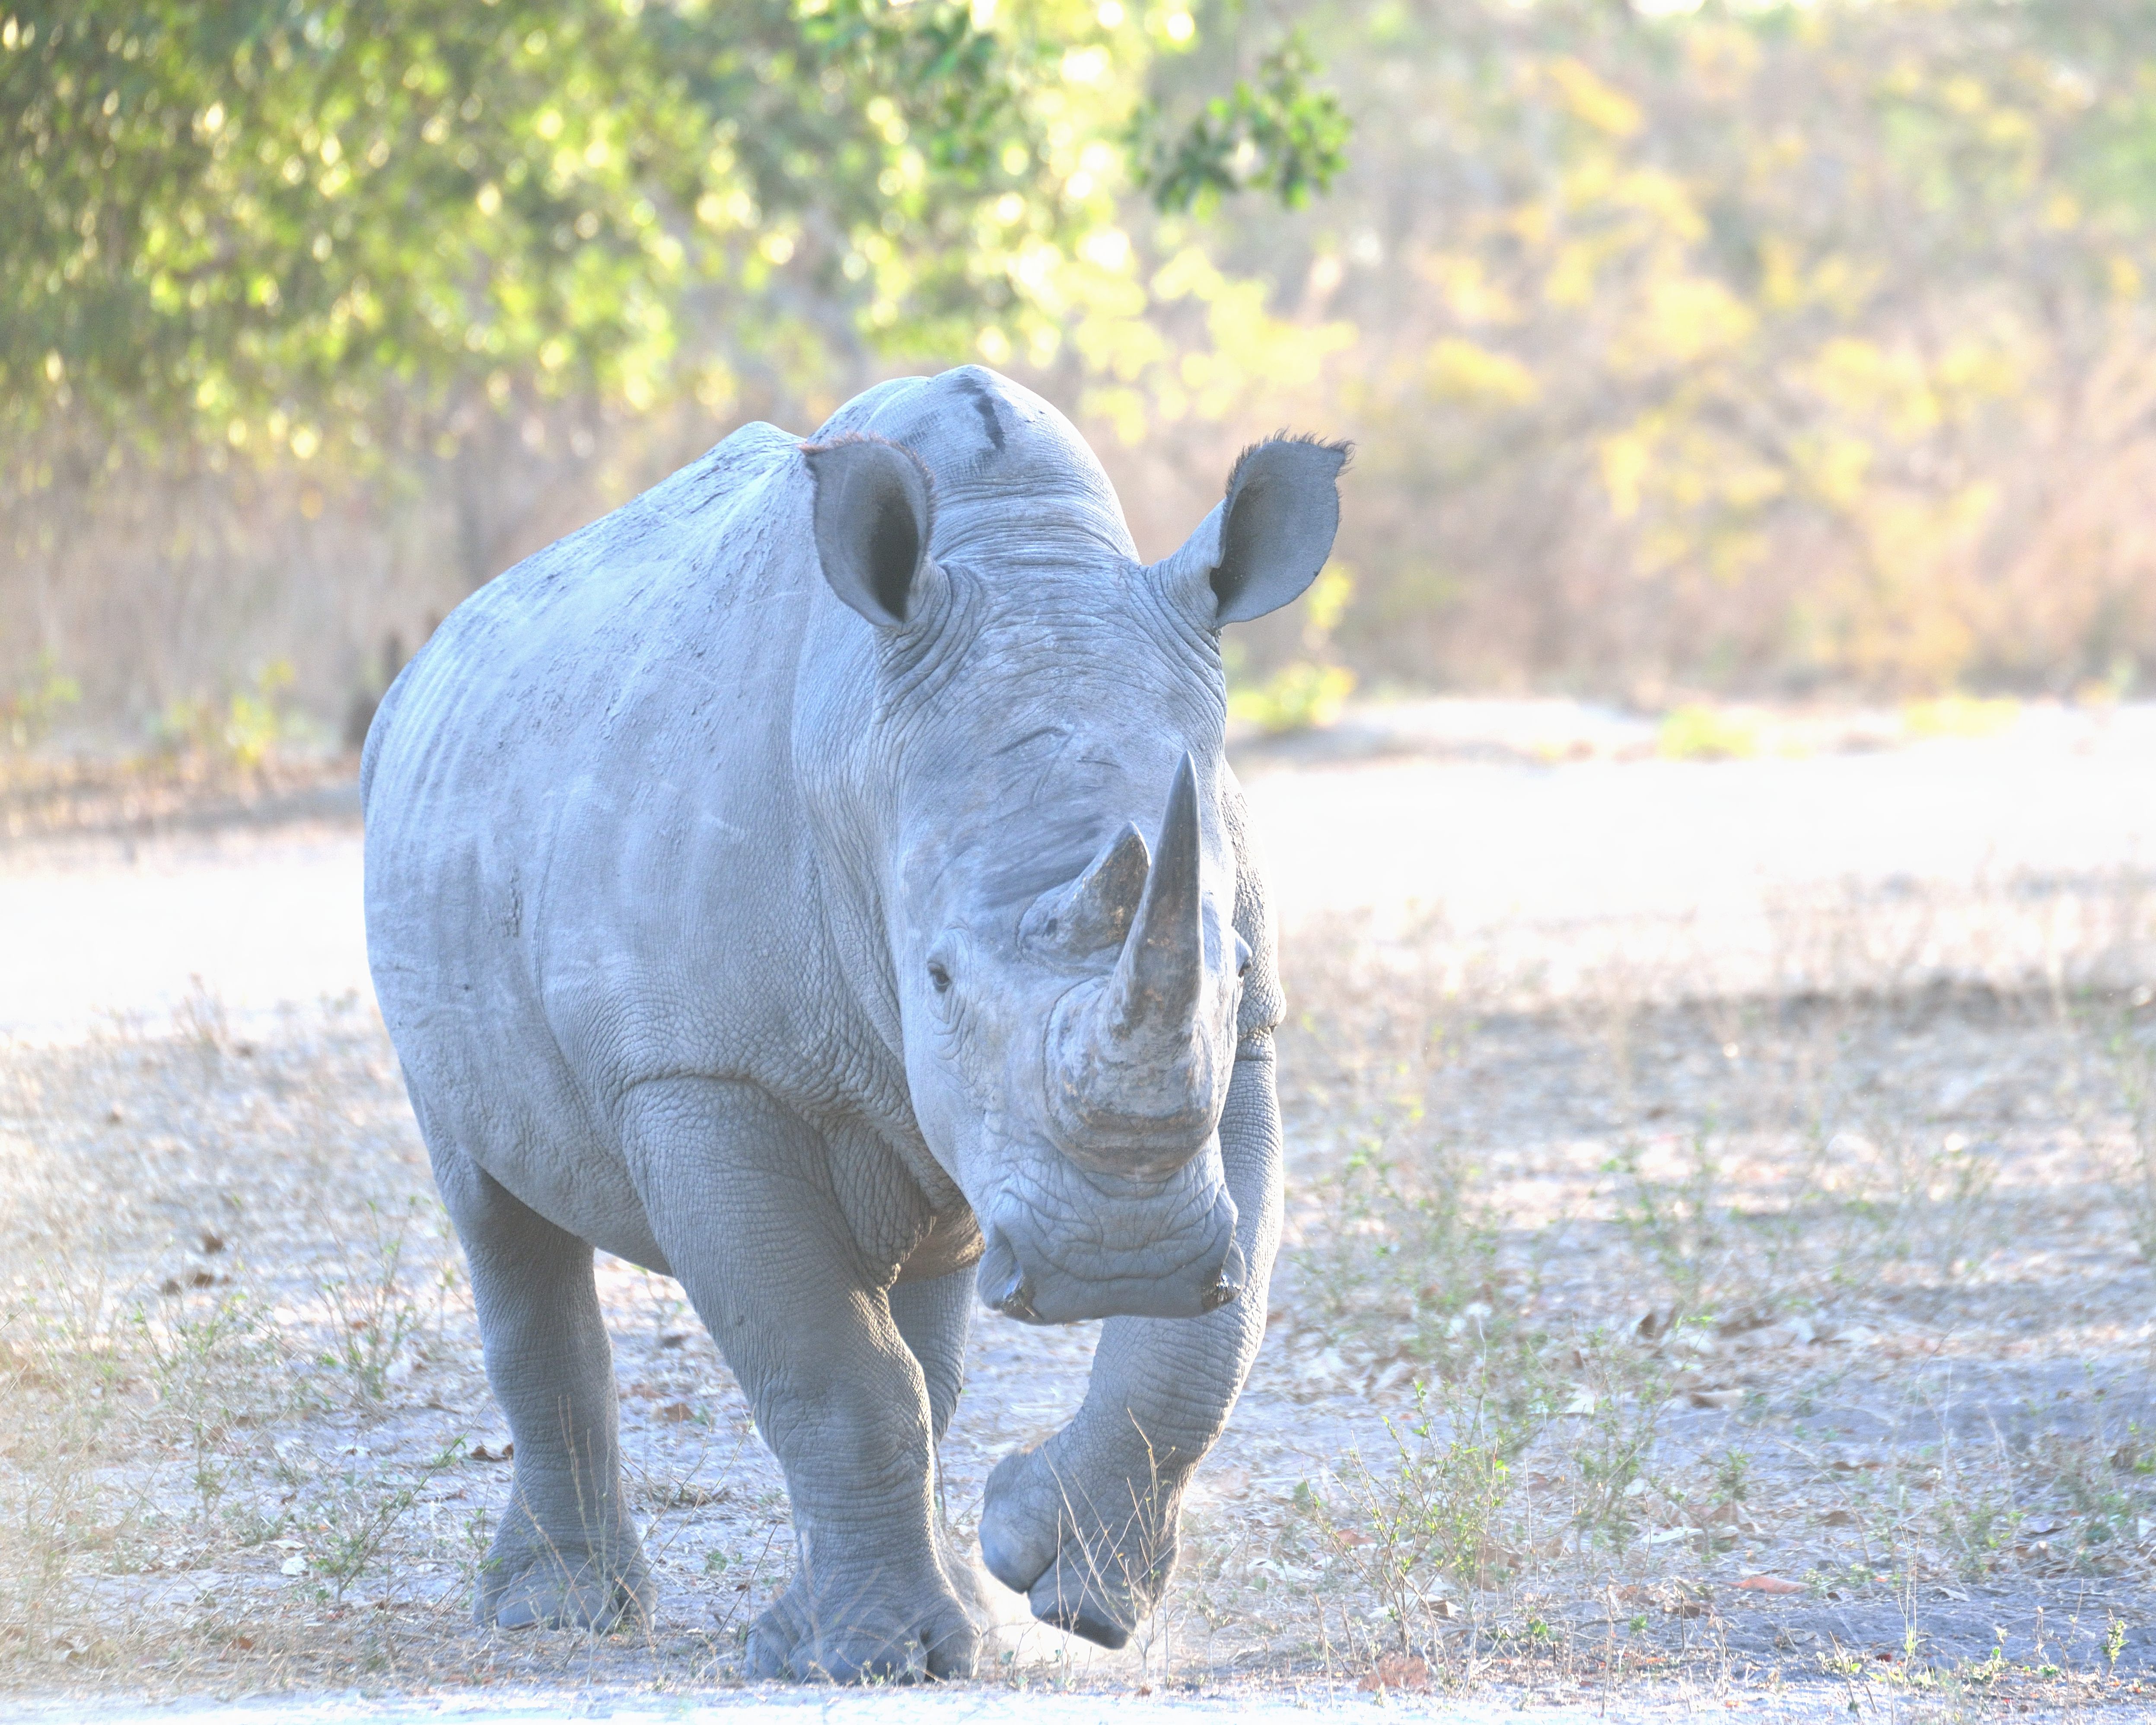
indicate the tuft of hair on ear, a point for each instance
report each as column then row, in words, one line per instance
column 927, row 474
column 1344, row 448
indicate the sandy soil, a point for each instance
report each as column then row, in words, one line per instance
column 1603, row 1010
column 1500, row 848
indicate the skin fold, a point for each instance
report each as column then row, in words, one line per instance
column 821, row 880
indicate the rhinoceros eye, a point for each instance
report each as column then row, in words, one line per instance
column 939, row 976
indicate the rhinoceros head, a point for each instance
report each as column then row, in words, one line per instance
column 1059, row 905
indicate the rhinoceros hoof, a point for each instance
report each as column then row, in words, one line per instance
column 1081, row 1567
column 564, row 1589
column 871, row 1631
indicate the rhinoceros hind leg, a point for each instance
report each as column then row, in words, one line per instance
column 565, row 1555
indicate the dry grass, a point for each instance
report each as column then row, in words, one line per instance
column 162, row 790
column 1599, row 1302
column 1843, row 1293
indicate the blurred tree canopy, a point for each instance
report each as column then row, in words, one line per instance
column 1743, row 347
column 286, row 218
column 1752, row 347
column 287, row 221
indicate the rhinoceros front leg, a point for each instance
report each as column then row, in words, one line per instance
column 1085, row 1525
column 565, row 1555
column 934, row 1314
column 740, row 1197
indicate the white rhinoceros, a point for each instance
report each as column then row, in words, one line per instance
column 817, row 877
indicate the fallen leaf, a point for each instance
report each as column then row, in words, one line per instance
column 1769, row 1584
column 677, row 1413
column 1717, row 1398
column 1398, row 1671
column 1837, row 1518
column 480, row 1452
column 293, row 1566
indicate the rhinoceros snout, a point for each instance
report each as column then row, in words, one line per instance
column 1196, row 1271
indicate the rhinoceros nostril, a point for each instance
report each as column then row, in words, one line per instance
column 1229, row 1283
column 1002, row 1282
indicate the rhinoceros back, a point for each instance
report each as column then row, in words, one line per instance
column 581, row 817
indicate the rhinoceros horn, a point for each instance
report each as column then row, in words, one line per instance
column 1162, row 970
column 1129, row 1078
column 1094, row 912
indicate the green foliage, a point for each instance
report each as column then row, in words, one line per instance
column 1700, row 732
column 1276, row 135
column 1306, row 693
column 238, row 733
column 296, row 224
column 1433, row 1515
column 1298, row 697
column 289, row 225
column 26, row 712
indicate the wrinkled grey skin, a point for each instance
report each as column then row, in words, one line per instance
column 818, row 878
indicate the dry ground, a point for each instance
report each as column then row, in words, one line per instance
column 1636, row 1341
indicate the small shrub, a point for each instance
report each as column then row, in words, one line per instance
column 1701, row 733
column 26, row 712
column 1300, row 696
column 238, row 733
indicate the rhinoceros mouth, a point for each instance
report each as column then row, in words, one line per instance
column 1017, row 1289
column 1090, row 1254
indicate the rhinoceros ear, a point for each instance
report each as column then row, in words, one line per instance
column 874, row 511
column 1266, row 540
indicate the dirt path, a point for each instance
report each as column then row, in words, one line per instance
column 266, row 917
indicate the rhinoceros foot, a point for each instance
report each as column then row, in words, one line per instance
column 1092, row 1556
column 550, row 1589
column 851, row 1630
